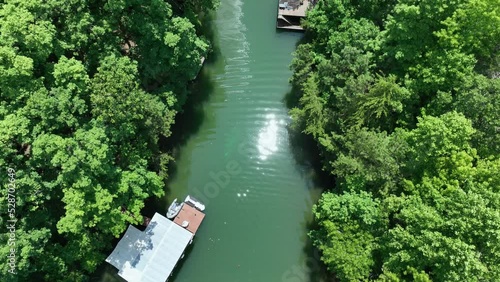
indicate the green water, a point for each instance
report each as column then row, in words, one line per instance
column 240, row 162
column 237, row 155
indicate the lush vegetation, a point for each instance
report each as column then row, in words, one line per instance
column 402, row 97
column 87, row 88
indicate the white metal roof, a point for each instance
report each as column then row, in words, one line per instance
column 150, row 256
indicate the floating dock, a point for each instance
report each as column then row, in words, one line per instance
column 151, row 255
column 191, row 216
column 290, row 13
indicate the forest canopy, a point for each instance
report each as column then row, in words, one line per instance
column 87, row 88
column 402, row 98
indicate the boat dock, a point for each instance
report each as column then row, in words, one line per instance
column 151, row 255
column 290, row 13
column 190, row 216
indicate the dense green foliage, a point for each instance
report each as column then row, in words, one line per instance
column 87, row 88
column 402, row 99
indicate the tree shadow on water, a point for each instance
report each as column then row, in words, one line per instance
column 188, row 121
column 308, row 160
column 317, row 269
column 309, row 164
column 187, row 124
column 208, row 31
column 106, row 273
column 292, row 98
column 310, row 268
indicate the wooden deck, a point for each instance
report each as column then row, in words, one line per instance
column 191, row 215
column 290, row 13
column 296, row 10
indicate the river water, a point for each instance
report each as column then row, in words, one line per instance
column 241, row 162
column 237, row 155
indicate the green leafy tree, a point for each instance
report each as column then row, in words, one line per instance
column 368, row 161
column 401, row 97
column 438, row 222
column 478, row 101
column 348, row 226
column 80, row 119
column 473, row 29
column 384, row 101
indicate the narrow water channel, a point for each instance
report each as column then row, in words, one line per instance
column 240, row 161
column 236, row 154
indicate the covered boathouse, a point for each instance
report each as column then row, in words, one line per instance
column 151, row 255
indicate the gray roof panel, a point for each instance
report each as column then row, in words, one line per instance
column 150, row 256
